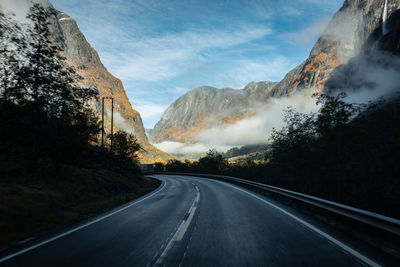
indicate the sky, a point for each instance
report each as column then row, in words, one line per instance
column 161, row 49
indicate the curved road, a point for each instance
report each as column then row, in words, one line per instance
column 190, row 222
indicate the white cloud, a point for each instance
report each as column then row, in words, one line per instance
column 157, row 58
column 374, row 75
column 148, row 109
column 306, row 37
column 119, row 121
column 257, row 129
column 183, row 148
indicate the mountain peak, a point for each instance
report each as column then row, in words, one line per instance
column 253, row 86
column 205, row 107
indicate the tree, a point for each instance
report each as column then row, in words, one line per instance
column 11, row 40
column 43, row 88
column 175, row 165
column 295, row 138
column 213, row 162
column 45, row 80
column 334, row 112
column 126, row 145
column 159, row 165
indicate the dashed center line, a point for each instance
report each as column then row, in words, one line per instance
column 186, row 225
column 181, row 231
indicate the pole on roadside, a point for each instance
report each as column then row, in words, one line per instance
column 102, row 119
column 102, row 122
column 112, row 121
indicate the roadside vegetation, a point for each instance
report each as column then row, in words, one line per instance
column 52, row 170
column 345, row 152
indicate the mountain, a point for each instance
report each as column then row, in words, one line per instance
column 86, row 61
column 376, row 68
column 353, row 29
column 205, row 107
column 357, row 27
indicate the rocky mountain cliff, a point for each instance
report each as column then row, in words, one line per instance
column 354, row 28
column 86, row 61
column 358, row 26
column 206, row 107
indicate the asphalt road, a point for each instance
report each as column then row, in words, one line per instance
column 191, row 222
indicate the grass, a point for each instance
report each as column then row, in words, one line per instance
column 31, row 206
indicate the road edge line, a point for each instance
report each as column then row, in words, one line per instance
column 338, row 243
column 80, row 227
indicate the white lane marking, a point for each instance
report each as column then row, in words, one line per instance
column 79, row 227
column 186, row 225
column 180, row 232
column 164, row 254
column 340, row 244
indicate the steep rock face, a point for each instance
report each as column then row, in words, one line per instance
column 86, row 61
column 376, row 68
column 282, row 88
column 358, row 24
column 207, row 107
column 390, row 42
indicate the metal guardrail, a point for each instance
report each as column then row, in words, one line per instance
column 370, row 218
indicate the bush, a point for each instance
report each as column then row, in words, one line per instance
column 125, row 145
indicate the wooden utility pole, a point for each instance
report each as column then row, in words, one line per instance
column 102, row 122
column 112, row 122
column 102, row 118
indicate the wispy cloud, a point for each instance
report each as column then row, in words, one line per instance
column 156, row 58
column 307, row 36
column 178, row 148
column 149, row 109
column 257, row 129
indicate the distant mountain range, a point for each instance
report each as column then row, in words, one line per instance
column 357, row 30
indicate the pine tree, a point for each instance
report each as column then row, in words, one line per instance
column 45, row 89
column 45, row 80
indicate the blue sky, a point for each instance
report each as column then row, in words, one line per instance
column 160, row 49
